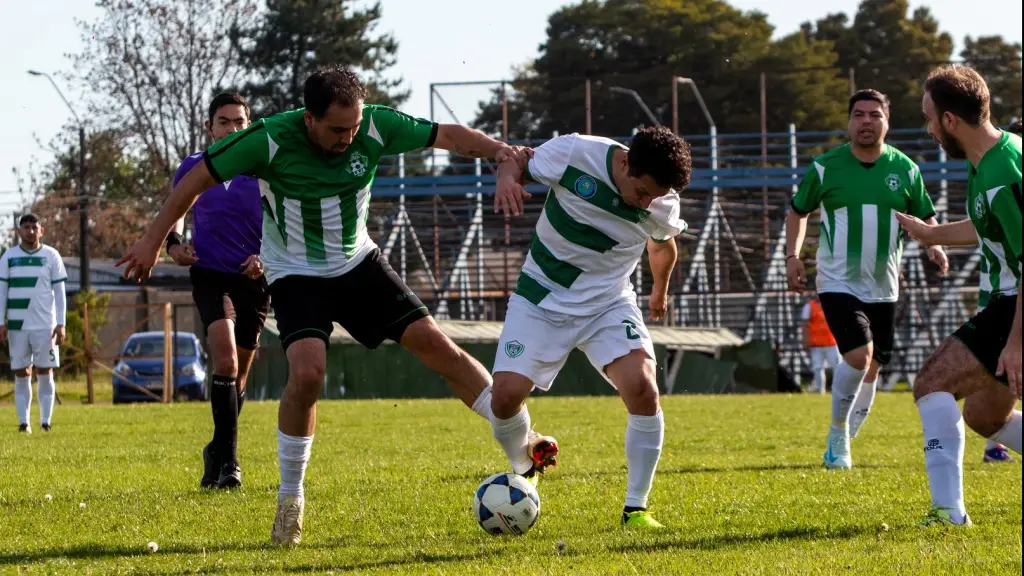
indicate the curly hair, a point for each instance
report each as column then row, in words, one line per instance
column 332, row 85
column 655, row 151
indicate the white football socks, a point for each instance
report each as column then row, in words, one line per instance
column 943, row 428
column 862, row 406
column 23, row 398
column 1010, row 434
column 644, row 437
column 512, row 435
column 47, row 391
column 482, row 404
column 845, row 383
column 293, row 455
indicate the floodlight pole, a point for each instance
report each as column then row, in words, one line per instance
column 639, row 101
column 83, row 200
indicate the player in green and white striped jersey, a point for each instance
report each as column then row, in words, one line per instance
column 859, row 188
column 33, row 308
column 981, row 362
column 606, row 204
column 315, row 168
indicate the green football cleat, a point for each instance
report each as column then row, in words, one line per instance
column 940, row 517
column 640, row 519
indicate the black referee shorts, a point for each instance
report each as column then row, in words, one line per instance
column 231, row 296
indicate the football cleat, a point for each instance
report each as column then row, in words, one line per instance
column 45, row 427
column 543, row 451
column 25, row 428
column 287, row 530
column 997, row 453
column 230, row 476
column 837, row 455
column 939, row 516
column 640, row 519
column 211, row 468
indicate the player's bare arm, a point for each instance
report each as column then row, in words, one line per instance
column 182, row 254
column 142, row 256
column 931, row 233
column 663, row 260
column 466, row 141
column 796, row 229
column 510, row 194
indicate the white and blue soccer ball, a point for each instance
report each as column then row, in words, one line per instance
column 506, row 503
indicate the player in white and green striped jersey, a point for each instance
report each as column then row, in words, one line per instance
column 859, row 188
column 606, row 204
column 33, row 307
column 981, row 362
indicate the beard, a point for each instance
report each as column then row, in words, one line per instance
column 950, row 144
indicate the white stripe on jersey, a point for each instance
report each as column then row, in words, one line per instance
column 294, row 229
column 604, row 277
column 868, row 240
column 1007, row 282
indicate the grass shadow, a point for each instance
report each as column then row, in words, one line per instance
column 712, row 543
column 107, row 551
column 320, row 568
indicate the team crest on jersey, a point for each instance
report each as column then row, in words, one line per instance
column 979, row 206
column 357, row 164
column 893, row 182
column 514, row 349
column 586, row 186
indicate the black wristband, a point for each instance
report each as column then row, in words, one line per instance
column 173, row 239
column 791, row 256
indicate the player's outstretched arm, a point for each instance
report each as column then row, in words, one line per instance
column 663, row 260
column 929, row 233
column 142, row 256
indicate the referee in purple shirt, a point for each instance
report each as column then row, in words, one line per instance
column 228, row 287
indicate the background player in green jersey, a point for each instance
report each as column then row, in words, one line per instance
column 316, row 166
column 981, row 362
column 859, row 187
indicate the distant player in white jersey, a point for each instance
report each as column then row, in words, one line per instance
column 32, row 313
column 606, row 204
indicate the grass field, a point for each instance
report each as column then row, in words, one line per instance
column 390, row 486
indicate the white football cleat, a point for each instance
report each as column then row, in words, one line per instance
column 837, row 454
column 287, row 529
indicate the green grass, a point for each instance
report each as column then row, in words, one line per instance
column 390, row 487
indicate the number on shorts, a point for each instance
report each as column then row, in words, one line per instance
column 631, row 333
column 53, row 355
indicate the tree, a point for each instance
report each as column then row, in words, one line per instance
column 152, row 66
column 295, row 36
column 640, row 45
column 125, row 192
column 1000, row 64
column 888, row 51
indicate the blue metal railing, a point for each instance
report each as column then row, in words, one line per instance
column 740, row 158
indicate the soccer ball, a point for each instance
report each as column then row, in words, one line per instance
column 506, row 503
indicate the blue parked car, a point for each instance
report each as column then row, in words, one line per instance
column 142, row 362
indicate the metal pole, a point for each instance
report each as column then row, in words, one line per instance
column 83, row 221
column 83, row 216
column 87, row 350
column 675, row 105
column 586, row 103
column 508, row 225
column 764, row 164
column 794, row 159
column 401, row 215
column 639, row 101
column 853, row 82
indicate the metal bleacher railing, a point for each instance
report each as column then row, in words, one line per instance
column 435, row 222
